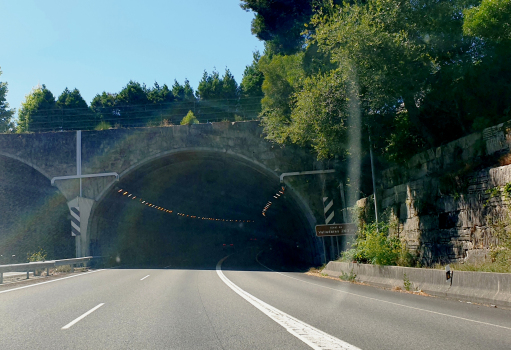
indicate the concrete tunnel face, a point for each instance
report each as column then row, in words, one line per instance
column 204, row 191
column 34, row 216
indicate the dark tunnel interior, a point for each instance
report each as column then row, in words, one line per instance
column 206, row 188
column 34, row 215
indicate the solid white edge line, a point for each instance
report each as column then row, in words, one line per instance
column 70, row 324
column 308, row 334
column 384, row 301
column 143, row 278
column 58, row 279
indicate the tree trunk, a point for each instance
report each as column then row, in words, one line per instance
column 413, row 114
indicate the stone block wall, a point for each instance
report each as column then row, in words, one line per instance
column 439, row 202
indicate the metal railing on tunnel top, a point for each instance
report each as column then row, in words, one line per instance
column 38, row 265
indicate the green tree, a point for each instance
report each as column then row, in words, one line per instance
column 131, row 103
column 210, row 86
column 38, row 112
column 283, row 76
column 6, row 114
column 189, row 119
column 490, row 20
column 218, row 96
column 178, row 90
column 281, row 23
column 229, row 86
column 320, row 115
column 405, row 66
column 76, row 115
column 105, row 109
column 384, row 46
column 160, row 94
column 133, row 94
column 251, row 91
column 183, row 92
column 189, row 94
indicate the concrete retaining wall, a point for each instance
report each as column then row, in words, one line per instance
column 479, row 287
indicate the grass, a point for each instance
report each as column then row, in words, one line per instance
column 349, row 277
column 317, row 269
column 483, row 267
column 102, row 126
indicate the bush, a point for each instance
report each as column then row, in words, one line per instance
column 102, row 126
column 374, row 246
column 189, row 119
column 37, row 256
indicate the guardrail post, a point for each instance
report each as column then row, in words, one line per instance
column 27, row 275
column 72, row 267
column 1, row 277
column 47, row 272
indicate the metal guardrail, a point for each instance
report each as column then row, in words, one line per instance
column 37, row 265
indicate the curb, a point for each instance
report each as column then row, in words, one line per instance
column 478, row 287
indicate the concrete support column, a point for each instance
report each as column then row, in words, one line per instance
column 83, row 239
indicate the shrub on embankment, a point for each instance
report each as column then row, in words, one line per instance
column 374, row 245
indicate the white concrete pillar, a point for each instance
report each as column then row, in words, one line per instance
column 83, row 239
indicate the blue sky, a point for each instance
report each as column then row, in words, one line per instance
column 99, row 46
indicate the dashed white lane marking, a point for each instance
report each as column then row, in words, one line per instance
column 311, row 336
column 58, row 279
column 143, row 278
column 385, row 301
column 70, row 324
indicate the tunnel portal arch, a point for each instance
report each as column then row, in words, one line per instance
column 300, row 210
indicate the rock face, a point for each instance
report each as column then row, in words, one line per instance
column 448, row 202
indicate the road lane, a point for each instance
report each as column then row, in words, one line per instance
column 193, row 309
column 372, row 318
column 174, row 309
column 311, row 336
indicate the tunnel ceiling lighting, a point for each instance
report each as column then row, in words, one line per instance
column 276, row 196
column 132, row 196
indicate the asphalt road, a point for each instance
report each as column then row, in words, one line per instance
column 250, row 307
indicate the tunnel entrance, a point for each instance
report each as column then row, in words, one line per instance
column 34, row 215
column 204, row 191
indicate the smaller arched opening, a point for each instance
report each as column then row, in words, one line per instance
column 34, row 215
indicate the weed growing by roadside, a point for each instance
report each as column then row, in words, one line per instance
column 317, row 269
column 348, row 277
column 406, row 282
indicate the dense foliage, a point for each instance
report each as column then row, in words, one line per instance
column 217, row 98
column 281, row 23
column 413, row 75
column 374, row 245
column 419, row 74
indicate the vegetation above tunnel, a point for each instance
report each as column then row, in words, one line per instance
column 420, row 74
